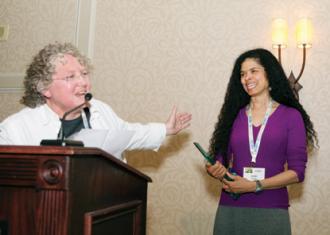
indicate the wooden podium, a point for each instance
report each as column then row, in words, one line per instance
column 69, row 191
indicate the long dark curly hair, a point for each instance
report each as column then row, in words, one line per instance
column 236, row 98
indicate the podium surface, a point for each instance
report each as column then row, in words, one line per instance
column 53, row 190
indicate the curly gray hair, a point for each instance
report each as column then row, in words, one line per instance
column 39, row 73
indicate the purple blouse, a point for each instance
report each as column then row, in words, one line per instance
column 283, row 141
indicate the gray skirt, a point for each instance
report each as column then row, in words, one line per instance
column 256, row 221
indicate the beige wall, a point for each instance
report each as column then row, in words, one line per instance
column 152, row 54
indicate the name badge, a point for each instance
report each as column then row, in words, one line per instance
column 254, row 173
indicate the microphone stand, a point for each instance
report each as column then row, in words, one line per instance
column 60, row 141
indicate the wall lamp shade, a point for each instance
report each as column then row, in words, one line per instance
column 304, row 32
column 279, row 33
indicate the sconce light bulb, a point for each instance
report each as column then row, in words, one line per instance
column 279, row 33
column 304, row 31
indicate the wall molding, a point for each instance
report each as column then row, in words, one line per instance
column 83, row 39
column 85, row 26
column 11, row 82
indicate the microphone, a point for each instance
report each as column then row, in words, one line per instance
column 60, row 139
column 88, row 97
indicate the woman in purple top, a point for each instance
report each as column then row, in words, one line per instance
column 260, row 141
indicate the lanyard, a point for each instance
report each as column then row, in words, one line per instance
column 254, row 147
column 85, row 120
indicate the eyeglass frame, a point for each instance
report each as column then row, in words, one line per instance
column 72, row 78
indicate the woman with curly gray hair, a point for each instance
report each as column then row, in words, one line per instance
column 39, row 73
column 56, row 82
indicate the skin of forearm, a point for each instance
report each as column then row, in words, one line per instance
column 280, row 180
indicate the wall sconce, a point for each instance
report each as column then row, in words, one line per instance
column 304, row 41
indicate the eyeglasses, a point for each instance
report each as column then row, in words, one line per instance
column 75, row 77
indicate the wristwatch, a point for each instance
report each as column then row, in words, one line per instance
column 259, row 187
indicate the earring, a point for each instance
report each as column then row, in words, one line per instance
column 269, row 88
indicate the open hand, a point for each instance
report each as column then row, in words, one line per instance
column 177, row 122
